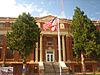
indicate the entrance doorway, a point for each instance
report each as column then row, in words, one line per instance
column 49, row 56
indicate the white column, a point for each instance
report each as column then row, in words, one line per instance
column 40, row 48
column 63, row 48
column 36, row 53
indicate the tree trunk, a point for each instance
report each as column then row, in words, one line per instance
column 83, row 64
column 24, row 67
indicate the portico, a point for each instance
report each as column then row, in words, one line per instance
column 48, row 50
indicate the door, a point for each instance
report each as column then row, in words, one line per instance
column 49, row 56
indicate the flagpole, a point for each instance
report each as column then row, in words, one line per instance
column 59, row 46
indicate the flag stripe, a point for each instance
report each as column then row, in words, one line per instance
column 52, row 25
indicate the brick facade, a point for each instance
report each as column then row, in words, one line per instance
column 47, row 47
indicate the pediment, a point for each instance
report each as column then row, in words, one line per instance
column 50, row 17
column 45, row 18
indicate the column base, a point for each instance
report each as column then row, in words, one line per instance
column 63, row 65
column 41, row 68
column 65, row 69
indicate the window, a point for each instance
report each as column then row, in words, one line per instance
column 7, row 24
column 1, row 37
column 49, row 56
column 78, row 68
column 9, row 54
column 1, row 24
column 89, row 68
column 62, row 26
column 98, row 67
column 49, row 41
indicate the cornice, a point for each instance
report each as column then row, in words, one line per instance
column 43, row 19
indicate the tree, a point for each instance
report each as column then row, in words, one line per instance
column 23, row 36
column 84, row 36
column 98, row 43
column 96, row 54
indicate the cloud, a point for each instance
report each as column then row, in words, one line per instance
column 13, row 9
column 44, row 13
column 39, row 10
column 42, row 2
column 10, row 8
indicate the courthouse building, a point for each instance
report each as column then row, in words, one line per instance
column 46, row 48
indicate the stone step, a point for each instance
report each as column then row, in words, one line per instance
column 57, row 74
column 48, row 68
column 53, row 68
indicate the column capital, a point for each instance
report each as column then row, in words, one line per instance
column 41, row 35
column 63, row 34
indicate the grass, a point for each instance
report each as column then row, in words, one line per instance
column 93, row 74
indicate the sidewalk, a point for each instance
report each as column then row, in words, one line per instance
column 88, row 73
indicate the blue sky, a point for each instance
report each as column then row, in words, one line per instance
column 12, row 8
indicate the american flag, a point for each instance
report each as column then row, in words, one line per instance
column 52, row 25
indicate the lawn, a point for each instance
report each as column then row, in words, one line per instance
column 92, row 74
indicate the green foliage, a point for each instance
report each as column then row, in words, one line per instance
column 84, row 34
column 24, row 35
column 98, row 42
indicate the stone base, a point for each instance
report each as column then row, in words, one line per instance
column 41, row 68
column 65, row 69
